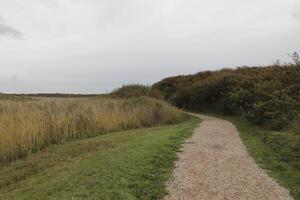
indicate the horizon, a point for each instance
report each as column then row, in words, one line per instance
column 130, row 83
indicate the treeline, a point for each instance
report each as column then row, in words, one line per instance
column 267, row 96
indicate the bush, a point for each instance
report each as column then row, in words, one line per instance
column 129, row 91
column 266, row 96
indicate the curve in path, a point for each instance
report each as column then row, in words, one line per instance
column 215, row 165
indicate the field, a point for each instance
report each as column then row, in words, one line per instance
column 29, row 124
column 123, row 145
column 130, row 164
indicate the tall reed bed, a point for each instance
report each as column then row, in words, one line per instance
column 29, row 125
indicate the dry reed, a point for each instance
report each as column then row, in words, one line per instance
column 29, row 125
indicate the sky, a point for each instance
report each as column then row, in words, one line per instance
column 94, row 46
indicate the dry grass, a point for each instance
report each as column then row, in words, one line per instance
column 29, row 125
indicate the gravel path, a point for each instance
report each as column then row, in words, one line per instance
column 215, row 165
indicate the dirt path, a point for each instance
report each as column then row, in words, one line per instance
column 215, row 165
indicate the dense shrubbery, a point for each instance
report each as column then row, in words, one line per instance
column 266, row 96
column 135, row 90
column 132, row 90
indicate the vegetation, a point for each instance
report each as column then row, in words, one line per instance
column 266, row 96
column 132, row 90
column 27, row 125
column 123, row 165
column 135, row 90
column 266, row 104
column 60, row 95
column 277, row 152
column 13, row 97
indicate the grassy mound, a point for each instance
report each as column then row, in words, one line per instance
column 132, row 90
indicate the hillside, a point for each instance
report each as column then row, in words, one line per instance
column 266, row 96
column 263, row 102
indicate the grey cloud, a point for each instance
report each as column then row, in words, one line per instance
column 93, row 46
column 296, row 12
column 10, row 31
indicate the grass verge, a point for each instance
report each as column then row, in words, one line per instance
column 122, row 165
column 274, row 152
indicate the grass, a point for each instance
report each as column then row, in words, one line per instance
column 276, row 152
column 28, row 125
column 131, row 164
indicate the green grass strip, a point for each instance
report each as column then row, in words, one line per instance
column 268, row 151
column 123, row 165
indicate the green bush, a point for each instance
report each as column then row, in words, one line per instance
column 132, row 90
column 266, row 96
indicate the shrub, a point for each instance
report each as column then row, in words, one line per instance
column 129, row 91
column 267, row 96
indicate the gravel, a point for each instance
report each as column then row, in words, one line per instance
column 215, row 165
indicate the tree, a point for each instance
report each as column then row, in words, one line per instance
column 296, row 58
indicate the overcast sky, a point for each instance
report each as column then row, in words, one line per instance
column 93, row 46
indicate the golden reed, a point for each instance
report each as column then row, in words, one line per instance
column 29, row 125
